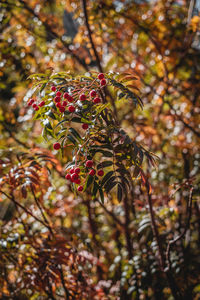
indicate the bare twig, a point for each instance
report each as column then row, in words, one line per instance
column 172, row 242
column 53, row 34
column 98, row 61
column 110, row 213
column 63, row 283
column 90, row 36
column 170, row 279
column 12, row 135
column 28, row 212
column 41, row 210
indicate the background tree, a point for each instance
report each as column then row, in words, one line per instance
column 57, row 244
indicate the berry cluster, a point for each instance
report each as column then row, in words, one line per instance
column 67, row 98
column 34, row 105
column 74, row 173
column 61, row 104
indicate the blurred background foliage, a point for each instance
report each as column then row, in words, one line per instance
column 157, row 41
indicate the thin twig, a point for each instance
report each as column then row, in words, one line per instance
column 110, row 213
column 172, row 242
column 11, row 197
column 90, row 36
column 155, row 229
column 98, row 61
column 13, row 136
column 169, row 276
column 54, row 34
column 63, row 283
column 41, row 210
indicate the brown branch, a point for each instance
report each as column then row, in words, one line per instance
column 170, row 279
column 181, row 120
column 13, row 136
column 172, row 242
column 54, row 34
column 41, row 210
column 155, row 229
column 98, row 61
column 110, row 213
column 126, row 228
column 11, row 197
column 90, row 36
column 63, row 283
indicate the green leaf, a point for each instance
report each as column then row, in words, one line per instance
column 61, row 122
column 76, row 120
column 71, row 139
column 101, row 194
column 109, row 184
column 89, row 181
column 70, row 164
column 39, row 75
column 122, row 171
column 51, row 115
column 101, row 107
column 104, row 164
column 83, row 120
column 119, row 193
column 106, row 177
column 95, row 189
column 61, row 131
column 47, row 124
column 43, row 87
column 75, row 134
column 104, row 152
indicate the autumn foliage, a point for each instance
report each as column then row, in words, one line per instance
column 99, row 152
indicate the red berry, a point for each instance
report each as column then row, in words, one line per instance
column 62, row 109
column 96, row 100
column 82, row 97
column 77, row 170
column 68, row 177
column 57, row 99
column 58, row 104
column 103, row 82
column 53, row 88
column 71, row 108
column 71, row 171
column 89, row 163
column 101, row 76
column 36, row 108
column 92, row 172
column 74, row 177
column 80, row 188
column 93, row 93
column 58, row 94
column 77, row 181
column 42, row 103
column 31, row 102
column 66, row 95
column 34, row 105
column 64, row 103
column 100, row 173
column 85, row 126
column 70, row 99
column 56, row 146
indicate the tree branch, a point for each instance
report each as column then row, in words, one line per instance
column 172, row 242
column 90, row 36
column 170, row 279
